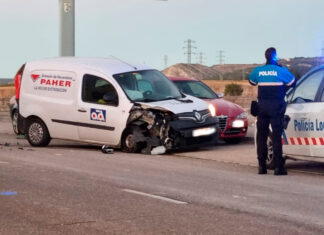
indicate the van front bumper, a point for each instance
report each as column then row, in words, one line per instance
column 189, row 134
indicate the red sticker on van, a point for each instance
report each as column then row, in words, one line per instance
column 35, row 77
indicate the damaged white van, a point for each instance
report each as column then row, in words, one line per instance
column 109, row 102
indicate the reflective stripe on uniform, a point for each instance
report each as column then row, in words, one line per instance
column 270, row 83
column 290, row 83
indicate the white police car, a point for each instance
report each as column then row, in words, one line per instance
column 303, row 138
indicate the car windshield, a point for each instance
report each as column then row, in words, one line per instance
column 196, row 88
column 147, row 86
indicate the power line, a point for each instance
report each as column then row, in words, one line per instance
column 221, row 57
column 189, row 48
column 201, row 57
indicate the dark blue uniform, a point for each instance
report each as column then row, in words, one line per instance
column 272, row 81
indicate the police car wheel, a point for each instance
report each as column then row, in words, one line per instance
column 15, row 121
column 129, row 143
column 37, row 133
column 270, row 159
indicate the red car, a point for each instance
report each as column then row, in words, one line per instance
column 233, row 120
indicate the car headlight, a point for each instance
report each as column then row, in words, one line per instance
column 243, row 115
column 212, row 110
column 238, row 124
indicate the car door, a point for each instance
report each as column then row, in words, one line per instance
column 317, row 114
column 100, row 121
column 301, row 108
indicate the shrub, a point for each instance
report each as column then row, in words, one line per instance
column 233, row 89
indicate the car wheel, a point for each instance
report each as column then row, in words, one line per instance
column 270, row 158
column 37, row 133
column 129, row 141
column 15, row 115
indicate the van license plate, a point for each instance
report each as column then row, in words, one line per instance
column 203, row 131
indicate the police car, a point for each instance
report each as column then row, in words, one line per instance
column 303, row 139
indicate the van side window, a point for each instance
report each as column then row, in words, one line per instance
column 99, row 91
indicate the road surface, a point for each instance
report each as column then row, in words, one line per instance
column 69, row 188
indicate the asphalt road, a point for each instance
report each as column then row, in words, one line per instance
column 69, row 188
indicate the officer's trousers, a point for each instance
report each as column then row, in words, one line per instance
column 270, row 112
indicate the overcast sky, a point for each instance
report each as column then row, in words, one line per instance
column 143, row 31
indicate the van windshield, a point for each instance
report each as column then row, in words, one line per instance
column 147, row 86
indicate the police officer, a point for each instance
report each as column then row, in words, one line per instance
column 272, row 81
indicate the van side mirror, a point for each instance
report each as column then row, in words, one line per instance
column 110, row 98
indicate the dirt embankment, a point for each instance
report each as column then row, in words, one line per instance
column 5, row 94
column 249, row 92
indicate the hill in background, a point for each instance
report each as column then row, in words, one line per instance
column 6, row 81
column 298, row 66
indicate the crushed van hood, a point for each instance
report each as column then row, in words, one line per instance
column 183, row 105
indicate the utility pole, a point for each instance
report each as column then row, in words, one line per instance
column 67, row 28
column 201, row 58
column 221, row 57
column 189, row 48
column 165, row 61
column 323, row 49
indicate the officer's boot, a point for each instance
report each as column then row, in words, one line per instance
column 262, row 168
column 281, row 170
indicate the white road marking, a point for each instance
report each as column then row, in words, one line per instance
column 4, row 162
column 155, row 196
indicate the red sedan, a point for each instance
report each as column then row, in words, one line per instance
column 233, row 120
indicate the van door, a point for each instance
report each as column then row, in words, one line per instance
column 100, row 116
column 302, row 126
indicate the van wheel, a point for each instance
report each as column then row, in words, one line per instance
column 15, row 115
column 270, row 158
column 37, row 133
column 129, row 143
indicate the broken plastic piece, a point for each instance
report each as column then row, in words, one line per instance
column 106, row 149
column 158, row 150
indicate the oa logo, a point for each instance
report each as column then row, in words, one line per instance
column 98, row 115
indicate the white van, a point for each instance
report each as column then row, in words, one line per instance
column 109, row 102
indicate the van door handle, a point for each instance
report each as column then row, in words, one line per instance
column 82, row 110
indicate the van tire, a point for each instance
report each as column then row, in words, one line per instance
column 37, row 133
column 14, row 121
column 128, row 144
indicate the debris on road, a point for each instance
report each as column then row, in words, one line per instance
column 106, row 149
column 158, row 150
column 20, row 137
